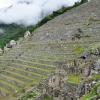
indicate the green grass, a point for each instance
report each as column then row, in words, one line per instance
column 29, row 95
column 92, row 94
column 85, row 97
column 78, row 50
column 47, row 98
column 96, row 76
column 74, row 78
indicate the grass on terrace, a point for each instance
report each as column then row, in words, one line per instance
column 47, row 98
column 78, row 50
column 96, row 76
column 92, row 94
column 29, row 95
column 74, row 78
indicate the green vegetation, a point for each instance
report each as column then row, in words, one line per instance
column 87, row 96
column 87, row 34
column 92, row 94
column 90, row 20
column 11, row 32
column 55, row 14
column 29, row 95
column 93, row 47
column 78, row 36
column 46, row 98
column 78, row 49
column 96, row 76
column 74, row 78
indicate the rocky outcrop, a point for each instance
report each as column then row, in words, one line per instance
column 85, row 54
column 96, row 52
column 96, row 67
column 98, row 90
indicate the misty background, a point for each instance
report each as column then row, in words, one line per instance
column 29, row 12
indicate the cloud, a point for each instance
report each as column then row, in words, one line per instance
column 1, row 30
column 28, row 12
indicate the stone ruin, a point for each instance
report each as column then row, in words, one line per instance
column 79, row 67
column 27, row 33
column 96, row 67
column 13, row 43
column 57, row 87
column 1, row 51
column 90, row 53
column 10, row 45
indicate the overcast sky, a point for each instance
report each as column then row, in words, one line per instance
column 29, row 12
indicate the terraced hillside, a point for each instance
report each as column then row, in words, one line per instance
column 85, row 17
column 24, row 66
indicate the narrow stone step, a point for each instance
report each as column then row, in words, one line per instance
column 15, row 82
column 33, row 68
column 44, row 61
column 29, row 63
column 5, row 92
column 9, row 86
column 17, row 75
column 40, row 56
column 13, row 78
column 7, row 57
column 26, row 72
column 26, row 79
column 12, row 54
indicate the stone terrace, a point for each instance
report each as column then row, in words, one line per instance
column 26, row 65
column 86, row 17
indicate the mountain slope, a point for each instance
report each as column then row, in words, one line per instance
column 85, row 17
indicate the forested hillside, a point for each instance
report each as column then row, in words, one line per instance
column 10, row 32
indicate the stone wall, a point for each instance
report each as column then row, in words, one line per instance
column 3, row 93
column 78, row 66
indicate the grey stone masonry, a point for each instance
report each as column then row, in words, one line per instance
column 33, row 69
column 23, row 72
column 35, row 64
column 83, row 17
column 11, row 81
column 8, row 87
column 16, row 76
column 3, row 93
